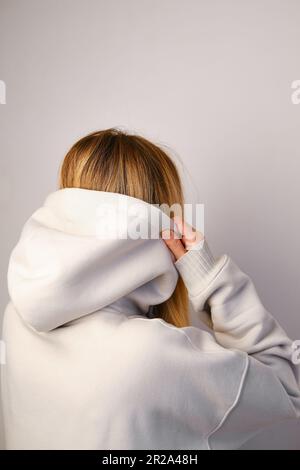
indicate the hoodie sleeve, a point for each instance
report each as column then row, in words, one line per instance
column 226, row 299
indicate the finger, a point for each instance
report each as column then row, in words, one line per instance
column 190, row 236
column 175, row 245
column 187, row 231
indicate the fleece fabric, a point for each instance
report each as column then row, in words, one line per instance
column 89, row 367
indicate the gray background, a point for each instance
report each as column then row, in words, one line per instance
column 211, row 79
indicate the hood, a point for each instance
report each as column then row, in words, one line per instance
column 84, row 250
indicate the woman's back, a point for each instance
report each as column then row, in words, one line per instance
column 99, row 350
column 77, row 377
column 111, row 381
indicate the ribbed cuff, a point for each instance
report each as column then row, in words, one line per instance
column 195, row 268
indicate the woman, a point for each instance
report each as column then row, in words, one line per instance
column 100, row 353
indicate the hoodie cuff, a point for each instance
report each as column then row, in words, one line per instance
column 196, row 267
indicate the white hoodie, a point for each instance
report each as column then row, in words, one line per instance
column 87, row 367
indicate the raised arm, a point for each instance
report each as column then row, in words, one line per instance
column 227, row 300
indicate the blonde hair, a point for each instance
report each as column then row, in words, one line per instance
column 112, row 160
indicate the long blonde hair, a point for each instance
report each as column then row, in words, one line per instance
column 112, row 160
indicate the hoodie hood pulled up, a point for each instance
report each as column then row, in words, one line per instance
column 84, row 250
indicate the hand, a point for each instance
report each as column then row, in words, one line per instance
column 189, row 238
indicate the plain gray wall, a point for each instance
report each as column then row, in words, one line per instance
column 211, row 79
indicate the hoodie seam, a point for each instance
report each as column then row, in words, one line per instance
column 180, row 331
column 240, row 386
column 232, row 406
